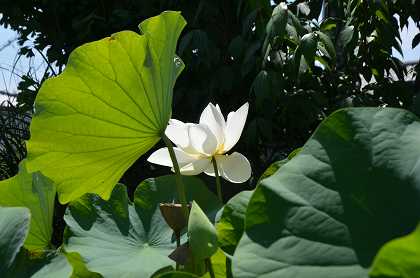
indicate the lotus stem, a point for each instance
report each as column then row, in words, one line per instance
column 178, row 179
column 218, row 184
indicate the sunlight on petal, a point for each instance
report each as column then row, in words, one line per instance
column 196, row 167
column 234, row 168
column 202, row 139
column 235, row 125
column 213, row 118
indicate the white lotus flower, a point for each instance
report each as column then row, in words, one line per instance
column 197, row 144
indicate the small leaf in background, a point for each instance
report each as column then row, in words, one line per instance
column 107, row 108
column 398, row 258
column 37, row 193
column 346, row 35
column 308, row 45
column 276, row 26
column 328, row 24
column 303, row 8
column 14, row 226
column 202, row 234
column 328, row 44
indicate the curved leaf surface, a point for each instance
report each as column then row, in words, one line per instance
column 202, row 234
column 107, row 108
column 51, row 264
column 232, row 222
column 117, row 236
column 354, row 186
column 14, row 226
column 37, row 193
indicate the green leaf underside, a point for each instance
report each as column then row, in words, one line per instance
column 201, row 234
column 398, row 258
column 353, row 187
column 37, row 193
column 14, row 226
column 106, row 109
column 117, row 236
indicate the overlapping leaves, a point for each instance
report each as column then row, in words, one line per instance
column 118, row 236
column 37, row 193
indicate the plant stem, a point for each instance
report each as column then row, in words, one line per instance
column 178, row 179
column 218, row 185
column 210, row 267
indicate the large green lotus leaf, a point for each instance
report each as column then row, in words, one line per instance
column 37, row 193
column 177, row 274
column 14, row 226
column 399, row 258
column 117, row 236
column 231, row 224
column 354, row 186
column 52, row 264
column 108, row 107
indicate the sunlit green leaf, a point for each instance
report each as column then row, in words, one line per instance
column 106, row 109
column 398, row 258
column 37, row 193
column 201, row 233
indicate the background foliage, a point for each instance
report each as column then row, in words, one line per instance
column 294, row 65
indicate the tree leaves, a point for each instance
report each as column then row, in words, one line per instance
column 353, row 187
column 106, row 109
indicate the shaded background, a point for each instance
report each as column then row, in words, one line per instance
column 235, row 51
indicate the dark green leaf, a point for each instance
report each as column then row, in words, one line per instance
column 346, row 35
column 308, row 45
column 328, row 44
column 354, row 186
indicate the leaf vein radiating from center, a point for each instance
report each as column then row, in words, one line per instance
column 124, row 91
